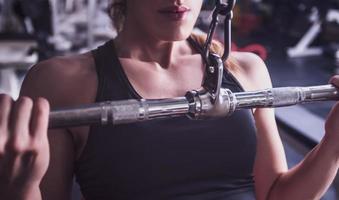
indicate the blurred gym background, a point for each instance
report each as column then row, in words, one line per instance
column 298, row 40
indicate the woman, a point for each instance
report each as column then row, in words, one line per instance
column 152, row 57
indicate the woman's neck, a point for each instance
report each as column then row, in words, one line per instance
column 149, row 49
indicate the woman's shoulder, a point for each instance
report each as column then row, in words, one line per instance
column 62, row 80
column 64, row 65
column 250, row 70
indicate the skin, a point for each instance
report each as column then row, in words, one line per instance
column 40, row 164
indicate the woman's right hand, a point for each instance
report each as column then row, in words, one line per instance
column 24, row 147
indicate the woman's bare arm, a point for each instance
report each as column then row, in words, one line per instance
column 61, row 81
column 311, row 177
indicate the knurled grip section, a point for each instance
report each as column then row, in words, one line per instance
column 121, row 112
column 286, row 96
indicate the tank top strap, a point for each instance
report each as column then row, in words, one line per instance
column 98, row 59
column 109, row 73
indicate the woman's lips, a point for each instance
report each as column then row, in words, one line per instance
column 175, row 13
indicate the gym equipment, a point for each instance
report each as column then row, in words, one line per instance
column 196, row 105
column 303, row 46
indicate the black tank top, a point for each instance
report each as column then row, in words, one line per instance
column 164, row 159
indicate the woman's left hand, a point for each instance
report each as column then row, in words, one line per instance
column 332, row 121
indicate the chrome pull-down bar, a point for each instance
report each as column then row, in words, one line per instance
column 196, row 105
column 211, row 101
column 118, row 112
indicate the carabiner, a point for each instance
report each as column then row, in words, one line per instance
column 224, row 8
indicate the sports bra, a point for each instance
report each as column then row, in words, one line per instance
column 174, row 158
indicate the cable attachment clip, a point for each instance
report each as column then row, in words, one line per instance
column 209, row 102
column 214, row 63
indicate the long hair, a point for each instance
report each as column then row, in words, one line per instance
column 218, row 48
column 117, row 12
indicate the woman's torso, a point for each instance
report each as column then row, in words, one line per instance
column 164, row 159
